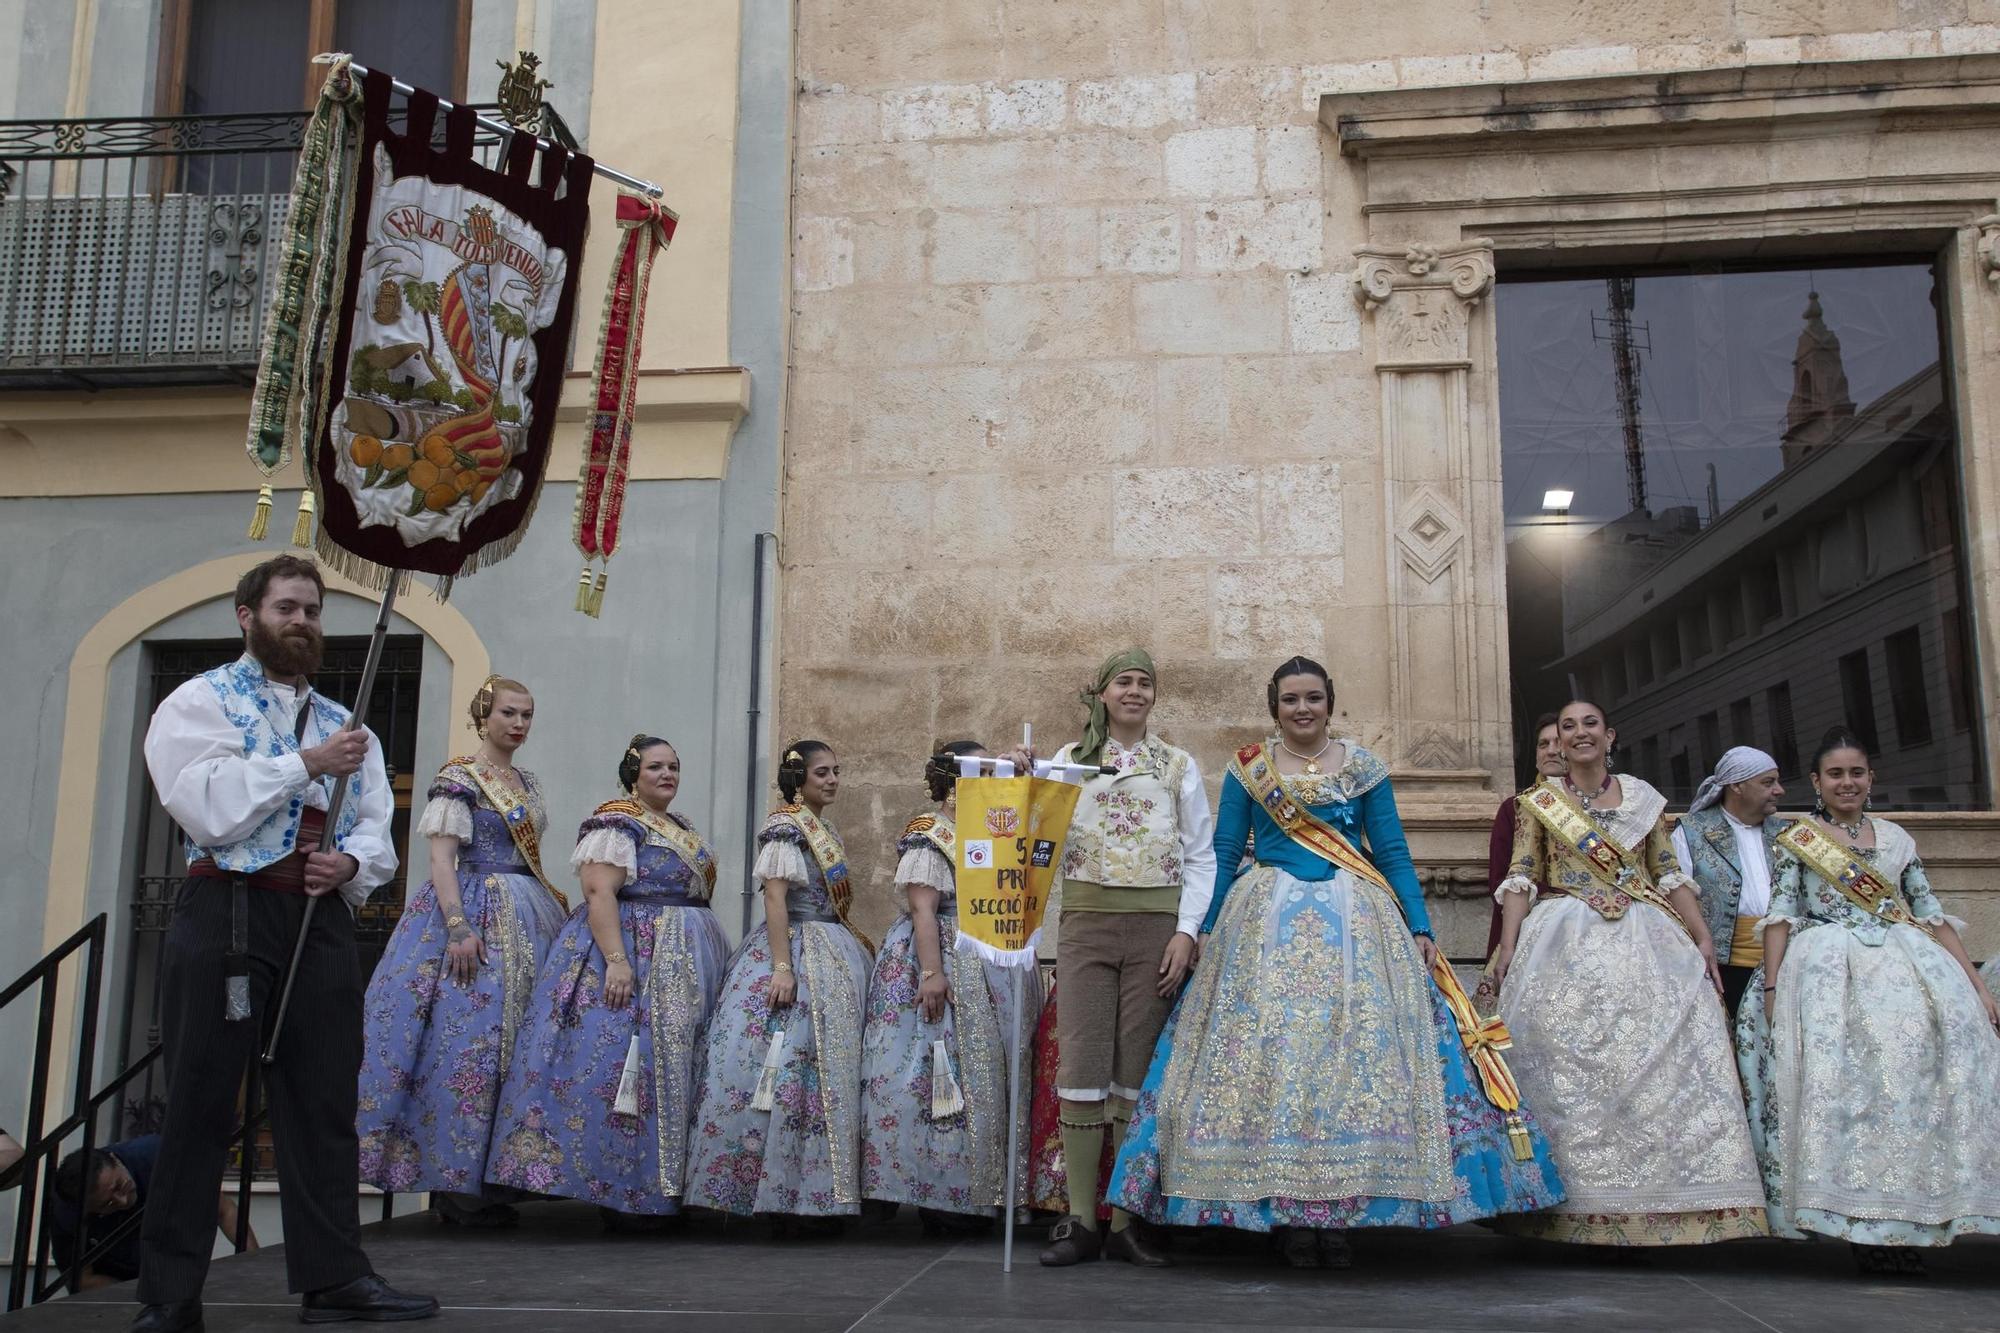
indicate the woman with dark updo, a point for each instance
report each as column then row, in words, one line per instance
column 935, row 1055
column 603, row 1083
column 778, row 1131
column 443, row 1013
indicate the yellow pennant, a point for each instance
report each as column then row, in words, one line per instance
column 1010, row 842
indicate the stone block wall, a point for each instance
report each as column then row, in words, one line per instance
column 1077, row 362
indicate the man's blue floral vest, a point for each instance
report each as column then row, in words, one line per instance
column 240, row 688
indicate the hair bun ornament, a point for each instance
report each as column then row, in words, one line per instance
column 793, row 757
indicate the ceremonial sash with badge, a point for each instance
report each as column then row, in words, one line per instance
column 832, row 859
column 1615, row 869
column 691, row 846
column 1856, row 882
column 514, row 811
column 937, row 832
column 1484, row 1038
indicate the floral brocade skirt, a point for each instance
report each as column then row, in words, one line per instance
column 436, row 1052
column 1312, row 1076
column 1875, row 1111
column 1622, row 1048
column 559, row 1130
column 956, row 1162
column 802, row 1157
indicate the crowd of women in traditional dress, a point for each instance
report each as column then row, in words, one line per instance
column 1250, row 1027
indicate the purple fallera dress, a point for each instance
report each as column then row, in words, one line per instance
column 436, row 1052
column 559, row 1129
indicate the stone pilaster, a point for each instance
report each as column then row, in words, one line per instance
column 1440, row 497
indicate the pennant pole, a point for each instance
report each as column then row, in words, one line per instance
column 1013, row 1126
column 356, row 719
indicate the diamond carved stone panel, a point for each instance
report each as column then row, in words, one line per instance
column 1429, row 533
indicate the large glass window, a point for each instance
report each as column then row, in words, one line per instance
column 1733, row 517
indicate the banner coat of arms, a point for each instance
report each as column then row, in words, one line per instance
column 448, row 345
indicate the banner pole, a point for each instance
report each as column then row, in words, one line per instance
column 1013, row 1127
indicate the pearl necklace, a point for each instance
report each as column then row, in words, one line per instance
column 1588, row 802
column 1311, row 761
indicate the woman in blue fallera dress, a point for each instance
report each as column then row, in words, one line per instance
column 598, row 1102
column 1313, row 1077
column 936, row 1051
column 443, row 1012
column 778, row 1132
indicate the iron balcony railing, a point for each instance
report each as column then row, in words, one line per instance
column 139, row 251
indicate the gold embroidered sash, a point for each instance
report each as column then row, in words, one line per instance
column 1856, row 882
column 513, row 811
column 1611, row 865
column 1484, row 1038
column 832, row 858
column 689, row 845
column 939, row 833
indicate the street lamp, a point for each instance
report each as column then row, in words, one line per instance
column 1557, row 501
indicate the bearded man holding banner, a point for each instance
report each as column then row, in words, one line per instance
column 246, row 759
column 1138, row 872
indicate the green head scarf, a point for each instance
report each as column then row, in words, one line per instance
column 1090, row 750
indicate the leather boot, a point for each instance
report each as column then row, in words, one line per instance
column 368, row 1300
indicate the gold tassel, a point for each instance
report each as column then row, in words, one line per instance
column 946, row 1099
column 583, row 591
column 596, row 606
column 1517, row 1134
column 302, row 526
column 260, row 520
column 766, row 1095
column 627, row 1100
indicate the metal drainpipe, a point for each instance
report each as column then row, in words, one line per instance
column 752, row 746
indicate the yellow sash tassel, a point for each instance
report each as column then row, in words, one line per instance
column 595, row 602
column 302, row 526
column 260, row 518
column 583, row 590
column 1484, row 1039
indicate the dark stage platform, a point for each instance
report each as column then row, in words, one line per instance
column 558, row 1271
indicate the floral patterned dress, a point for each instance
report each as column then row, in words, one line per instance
column 436, row 1052
column 801, row 1158
column 1875, row 1087
column 560, row 1131
column 955, row 1163
column 1621, row 1045
column 1312, row 1074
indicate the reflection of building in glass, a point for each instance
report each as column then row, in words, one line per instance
column 1830, row 593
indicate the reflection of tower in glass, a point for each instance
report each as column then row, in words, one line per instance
column 1820, row 407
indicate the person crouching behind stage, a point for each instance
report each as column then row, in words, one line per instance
column 245, row 758
column 939, row 1042
column 1138, row 872
column 445, row 1005
column 778, row 1132
column 1724, row 844
column 602, row 1089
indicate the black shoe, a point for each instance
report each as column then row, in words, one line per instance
column 169, row 1317
column 1334, row 1251
column 1301, row 1248
column 1135, row 1249
column 1071, row 1242
column 368, row 1299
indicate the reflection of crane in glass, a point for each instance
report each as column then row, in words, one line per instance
column 1627, row 341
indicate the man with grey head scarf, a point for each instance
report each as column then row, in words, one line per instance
column 1724, row 845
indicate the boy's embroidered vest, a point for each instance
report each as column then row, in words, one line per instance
column 1126, row 830
column 239, row 687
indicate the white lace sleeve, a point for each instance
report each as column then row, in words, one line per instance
column 606, row 846
column 926, row 866
column 782, row 860
column 1516, row 884
column 1676, row 880
column 446, row 817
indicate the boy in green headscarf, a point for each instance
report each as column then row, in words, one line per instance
column 1137, row 874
